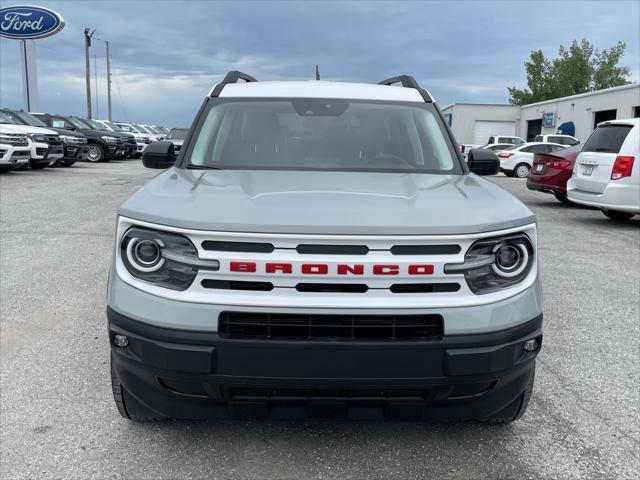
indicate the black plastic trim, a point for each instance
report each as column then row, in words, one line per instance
column 425, row 249
column 332, row 249
column 253, row 247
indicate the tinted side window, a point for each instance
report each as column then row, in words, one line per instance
column 491, row 139
column 527, row 149
column 517, row 141
column 571, row 141
column 554, row 139
column 608, row 138
column 538, row 138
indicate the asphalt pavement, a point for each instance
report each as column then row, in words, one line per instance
column 58, row 419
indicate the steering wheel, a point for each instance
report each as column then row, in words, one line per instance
column 383, row 159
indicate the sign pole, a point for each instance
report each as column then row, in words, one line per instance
column 108, row 83
column 87, row 44
column 29, row 75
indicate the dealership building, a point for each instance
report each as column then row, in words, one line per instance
column 474, row 123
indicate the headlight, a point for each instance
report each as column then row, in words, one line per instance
column 37, row 137
column 110, row 139
column 164, row 259
column 70, row 139
column 495, row 263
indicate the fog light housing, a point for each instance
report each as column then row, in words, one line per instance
column 531, row 345
column 120, row 341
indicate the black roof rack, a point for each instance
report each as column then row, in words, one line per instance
column 407, row 81
column 231, row 77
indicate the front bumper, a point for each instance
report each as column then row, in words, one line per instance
column 200, row 375
column 76, row 153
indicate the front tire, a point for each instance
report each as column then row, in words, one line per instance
column 618, row 216
column 521, row 170
column 96, row 153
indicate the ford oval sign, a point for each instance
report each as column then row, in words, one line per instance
column 22, row 22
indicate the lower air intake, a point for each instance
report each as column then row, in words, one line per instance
column 275, row 326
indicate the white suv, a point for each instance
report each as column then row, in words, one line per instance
column 604, row 174
column 567, row 140
column 14, row 150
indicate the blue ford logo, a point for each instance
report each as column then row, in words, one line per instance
column 22, row 22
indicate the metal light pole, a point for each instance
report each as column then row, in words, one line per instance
column 87, row 44
column 108, row 83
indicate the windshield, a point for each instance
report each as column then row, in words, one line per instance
column 123, row 127
column 111, row 126
column 95, row 125
column 7, row 117
column 178, row 134
column 76, row 122
column 30, row 119
column 153, row 129
column 324, row 134
column 140, row 129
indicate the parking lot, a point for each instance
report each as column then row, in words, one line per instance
column 59, row 421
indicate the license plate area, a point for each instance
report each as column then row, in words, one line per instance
column 587, row 170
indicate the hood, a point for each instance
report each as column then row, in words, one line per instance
column 64, row 131
column 175, row 141
column 325, row 202
column 25, row 129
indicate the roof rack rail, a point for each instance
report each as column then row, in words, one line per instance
column 231, row 77
column 407, row 81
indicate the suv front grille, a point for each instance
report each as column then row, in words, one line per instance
column 53, row 140
column 273, row 326
column 15, row 140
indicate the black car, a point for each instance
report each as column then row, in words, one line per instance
column 102, row 146
column 74, row 144
column 130, row 145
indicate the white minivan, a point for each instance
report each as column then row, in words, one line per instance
column 606, row 173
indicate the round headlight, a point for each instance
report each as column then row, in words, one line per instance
column 145, row 255
column 511, row 259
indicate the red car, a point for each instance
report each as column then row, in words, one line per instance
column 551, row 171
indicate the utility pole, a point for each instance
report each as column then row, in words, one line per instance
column 317, row 73
column 95, row 73
column 108, row 83
column 87, row 44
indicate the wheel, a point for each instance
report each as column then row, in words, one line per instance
column 68, row 163
column 521, row 170
column 507, row 414
column 127, row 405
column 618, row 216
column 562, row 198
column 96, row 153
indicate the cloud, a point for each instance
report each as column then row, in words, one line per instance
column 167, row 55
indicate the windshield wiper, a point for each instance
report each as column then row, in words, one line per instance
column 202, row 167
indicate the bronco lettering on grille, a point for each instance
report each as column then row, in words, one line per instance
column 325, row 269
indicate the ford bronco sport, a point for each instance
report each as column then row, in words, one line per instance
column 321, row 250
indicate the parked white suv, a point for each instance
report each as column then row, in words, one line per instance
column 14, row 150
column 513, row 140
column 567, row 140
column 44, row 144
column 606, row 173
column 516, row 161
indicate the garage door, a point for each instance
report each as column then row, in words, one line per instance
column 483, row 129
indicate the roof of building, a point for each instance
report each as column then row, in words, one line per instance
column 586, row 94
column 321, row 89
column 478, row 105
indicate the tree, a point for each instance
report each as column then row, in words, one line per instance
column 577, row 69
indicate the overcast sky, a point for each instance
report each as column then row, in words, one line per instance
column 167, row 55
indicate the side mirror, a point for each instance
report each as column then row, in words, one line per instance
column 483, row 161
column 159, row 155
